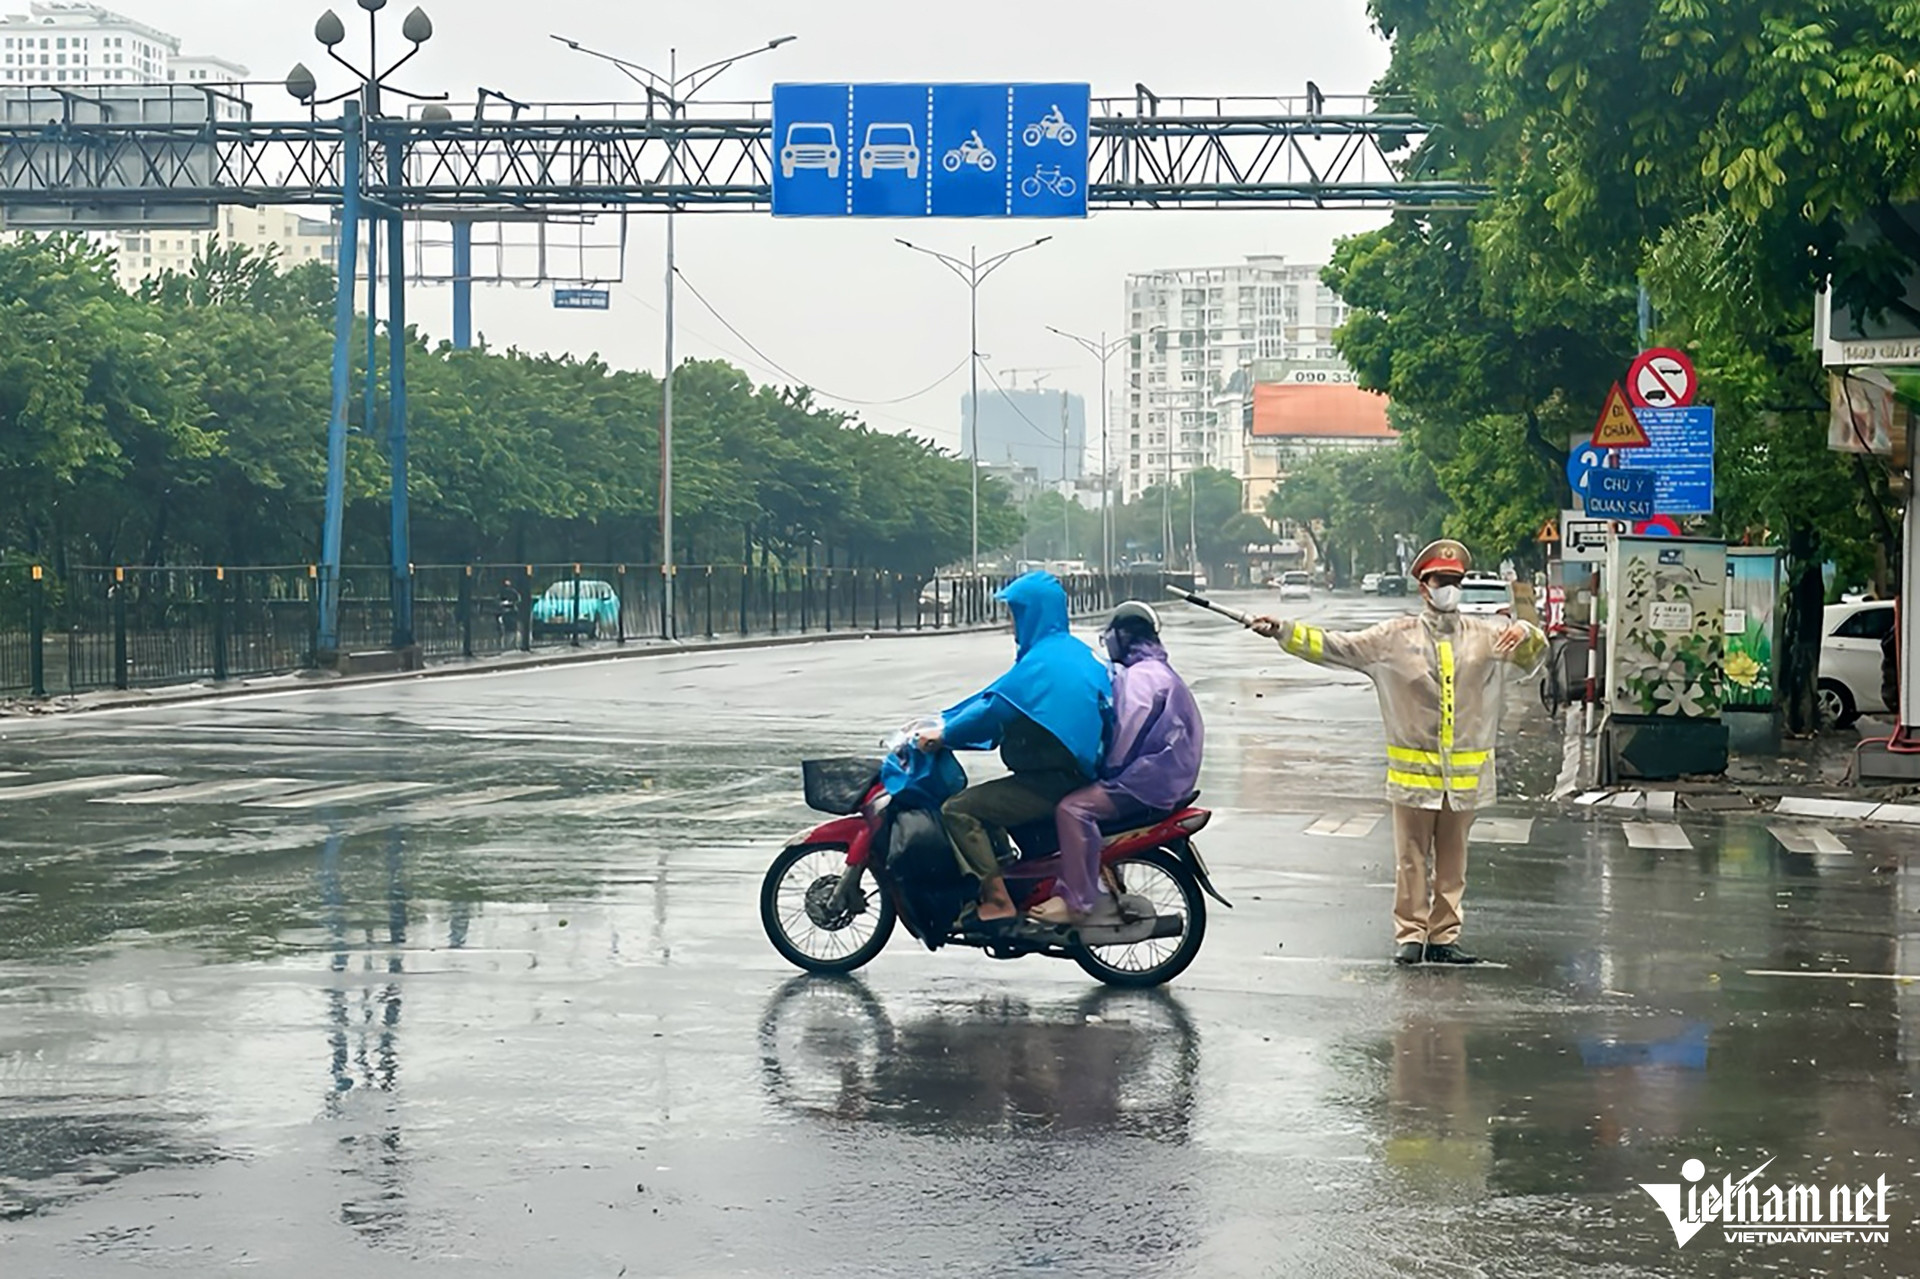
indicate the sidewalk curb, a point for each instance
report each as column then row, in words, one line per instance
column 1634, row 804
column 26, row 709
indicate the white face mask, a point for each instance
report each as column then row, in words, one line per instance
column 1445, row 599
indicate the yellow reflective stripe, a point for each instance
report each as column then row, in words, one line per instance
column 1307, row 641
column 1469, row 759
column 1446, row 694
column 1407, row 755
column 1530, row 647
column 1424, row 781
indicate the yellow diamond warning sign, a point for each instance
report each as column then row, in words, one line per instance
column 1618, row 428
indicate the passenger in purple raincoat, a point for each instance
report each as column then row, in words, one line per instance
column 1152, row 763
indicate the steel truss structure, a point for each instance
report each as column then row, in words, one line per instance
column 58, row 152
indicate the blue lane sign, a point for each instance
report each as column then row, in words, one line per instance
column 581, row 300
column 1682, row 452
column 1621, row 493
column 930, row 150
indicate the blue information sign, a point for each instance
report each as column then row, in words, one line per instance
column 930, row 150
column 581, row 300
column 1582, row 461
column 1621, row 493
column 1682, row 453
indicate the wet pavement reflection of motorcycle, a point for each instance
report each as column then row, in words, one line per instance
column 1111, row 1060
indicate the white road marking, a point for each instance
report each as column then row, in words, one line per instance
column 80, row 785
column 1807, row 806
column 1821, row 972
column 208, row 792
column 4, row 776
column 1808, row 839
column 1660, row 803
column 357, row 794
column 1663, row 835
column 597, row 805
column 1503, row 830
column 1907, row 814
column 1340, row 962
column 1343, row 827
column 1626, row 799
column 1591, row 798
column 479, row 799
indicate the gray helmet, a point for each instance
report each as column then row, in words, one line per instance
column 1135, row 611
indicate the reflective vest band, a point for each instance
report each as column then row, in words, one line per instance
column 1446, row 694
column 1459, row 759
column 1422, row 781
column 1309, row 642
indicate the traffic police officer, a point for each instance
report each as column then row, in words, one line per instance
column 1439, row 678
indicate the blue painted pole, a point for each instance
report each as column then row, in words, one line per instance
column 462, row 285
column 367, row 413
column 397, row 390
column 329, row 637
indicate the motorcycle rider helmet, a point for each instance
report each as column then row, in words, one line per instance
column 1131, row 621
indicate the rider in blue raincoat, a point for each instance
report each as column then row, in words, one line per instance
column 1047, row 715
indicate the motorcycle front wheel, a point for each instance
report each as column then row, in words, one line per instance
column 1067, row 135
column 1166, row 882
column 950, row 162
column 795, row 911
column 987, row 162
column 1033, row 135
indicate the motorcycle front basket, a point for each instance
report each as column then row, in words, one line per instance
column 837, row 786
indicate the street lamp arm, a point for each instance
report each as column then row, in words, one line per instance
column 404, row 59
column 721, row 64
column 659, row 83
column 358, row 74
column 993, row 264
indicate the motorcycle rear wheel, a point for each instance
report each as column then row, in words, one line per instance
column 839, row 947
column 1166, row 881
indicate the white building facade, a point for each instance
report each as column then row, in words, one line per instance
column 57, row 42
column 1200, row 338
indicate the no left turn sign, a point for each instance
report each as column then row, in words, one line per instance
column 1661, row 378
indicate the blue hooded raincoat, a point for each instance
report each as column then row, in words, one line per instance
column 1056, row 681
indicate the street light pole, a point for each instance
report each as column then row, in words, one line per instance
column 973, row 273
column 1103, row 351
column 667, row 88
column 362, row 127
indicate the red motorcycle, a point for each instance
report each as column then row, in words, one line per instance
column 821, row 914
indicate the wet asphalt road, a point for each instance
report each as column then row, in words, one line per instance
column 465, row 976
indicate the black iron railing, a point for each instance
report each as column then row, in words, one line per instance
column 137, row 627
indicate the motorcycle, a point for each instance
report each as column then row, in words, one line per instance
column 973, row 151
column 1052, row 126
column 821, row 915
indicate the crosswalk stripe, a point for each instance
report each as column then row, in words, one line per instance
column 79, row 785
column 1660, row 803
column 1345, row 827
column 339, row 795
column 456, row 804
column 1806, row 840
column 4, row 776
column 1664, row 835
column 1503, row 830
column 208, row 792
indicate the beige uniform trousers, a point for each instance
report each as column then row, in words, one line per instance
column 1426, row 903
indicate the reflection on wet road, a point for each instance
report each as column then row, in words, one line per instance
column 465, row 976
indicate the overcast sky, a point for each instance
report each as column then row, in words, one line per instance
column 841, row 305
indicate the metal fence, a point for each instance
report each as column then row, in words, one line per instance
column 104, row 628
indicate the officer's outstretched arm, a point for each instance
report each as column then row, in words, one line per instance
column 1350, row 650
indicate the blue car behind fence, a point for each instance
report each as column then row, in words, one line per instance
column 599, row 611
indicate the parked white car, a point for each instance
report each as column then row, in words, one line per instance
column 1486, row 596
column 1850, row 660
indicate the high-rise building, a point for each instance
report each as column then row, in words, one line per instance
column 1199, row 338
column 67, row 42
column 1023, row 429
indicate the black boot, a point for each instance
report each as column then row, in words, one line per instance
column 1449, row 953
column 1409, row 953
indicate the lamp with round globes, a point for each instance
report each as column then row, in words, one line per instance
column 300, row 83
column 418, row 27
column 373, row 6
column 329, row 30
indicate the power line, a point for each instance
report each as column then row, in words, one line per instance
column 786, row 372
